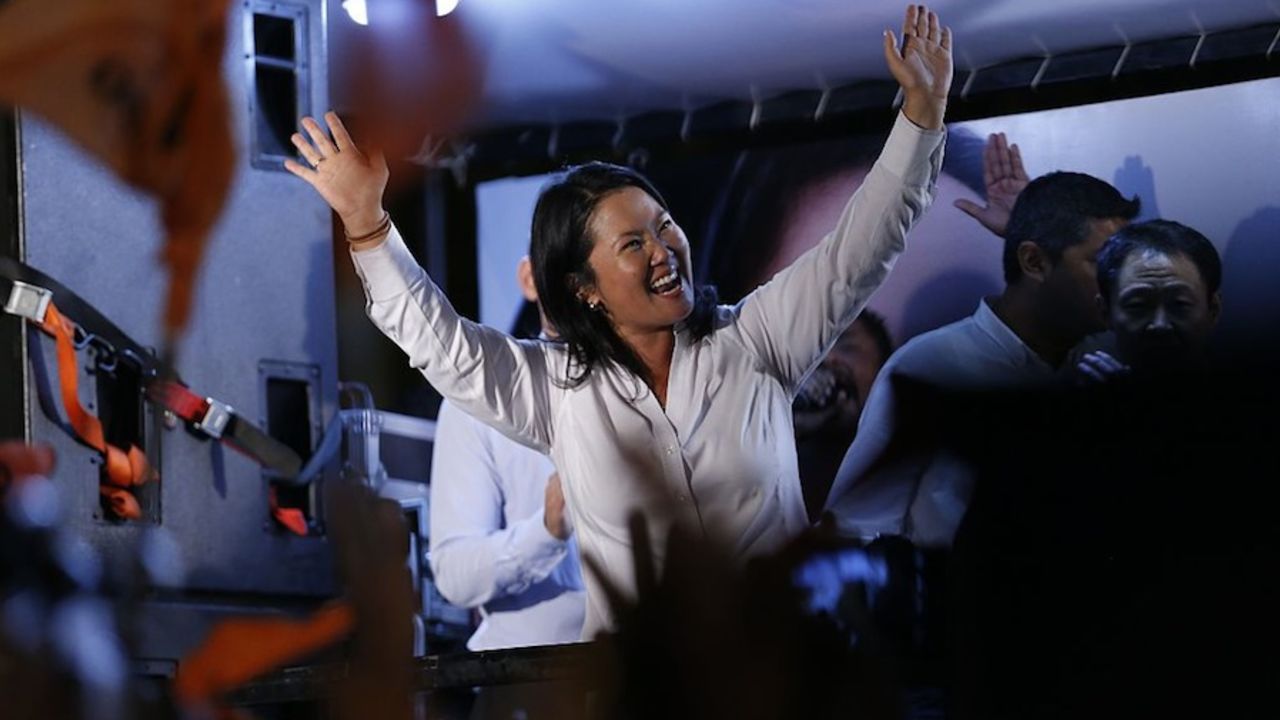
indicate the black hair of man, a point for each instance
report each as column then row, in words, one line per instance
column 1054, row 211
column 1163, row 236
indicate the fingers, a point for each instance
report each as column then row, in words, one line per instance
column 989, row 161
column 1091, row 368
column 998, row 161
column 319, row 137
column 922, row 24
column 968, row 207
column 1019, row 171
column 1100, row 367
column 922, row 34
column 1106, row 362
column 341, row 137
column 305, row 149
column 1089, row 373
column 1004, row 167
column 305, row 173
column 891, row 55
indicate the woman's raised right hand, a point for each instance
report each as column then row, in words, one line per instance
column 351, row 181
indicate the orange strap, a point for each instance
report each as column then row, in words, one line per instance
column 124, row 468
column 236, row 651
column 292, row 519
column 122, row 502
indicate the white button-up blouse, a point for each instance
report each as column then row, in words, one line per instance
column 721, row 458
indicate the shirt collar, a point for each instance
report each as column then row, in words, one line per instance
column 1004, row 337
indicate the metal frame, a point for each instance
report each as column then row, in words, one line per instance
column 437, row 617
column 575, row 664
column 309, row 375
column 303, row 372
column 1020, row 85
column 301, row 68
column 14, row 400
column 408, row 426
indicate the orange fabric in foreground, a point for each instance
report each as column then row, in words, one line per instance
column 237, row 651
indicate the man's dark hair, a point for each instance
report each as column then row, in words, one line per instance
column 560, row 244
column 1163, row 236
column 1054, row 211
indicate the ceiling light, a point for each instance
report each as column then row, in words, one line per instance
column 357, row 10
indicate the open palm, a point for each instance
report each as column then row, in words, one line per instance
column 1004, row 177
column 351, row 181
column 924, row 63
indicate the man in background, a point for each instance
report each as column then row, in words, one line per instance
column 829, row 404
column 500, row 539
column 887, row 485
column 1159, row 288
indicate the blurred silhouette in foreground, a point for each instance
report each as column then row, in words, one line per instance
column 137, row 84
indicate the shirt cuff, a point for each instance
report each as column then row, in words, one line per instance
column 539, row 550
column 387, row 270
column 910, row 147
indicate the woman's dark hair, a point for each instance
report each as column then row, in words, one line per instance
column 560, row 244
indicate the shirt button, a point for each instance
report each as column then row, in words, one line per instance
column 669, row 450
column 683, row 497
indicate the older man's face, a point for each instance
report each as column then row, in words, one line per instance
column 1161, row 312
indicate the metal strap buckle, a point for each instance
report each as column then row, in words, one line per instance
column 215, row 419
column 28, row 301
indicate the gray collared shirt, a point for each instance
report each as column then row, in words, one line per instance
column 925, row 497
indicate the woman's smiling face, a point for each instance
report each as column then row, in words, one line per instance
column 640, row 262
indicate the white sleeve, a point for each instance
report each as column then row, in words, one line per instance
column 792, row 321
column 474, row 555
column 500, row 380
column 869, row 498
